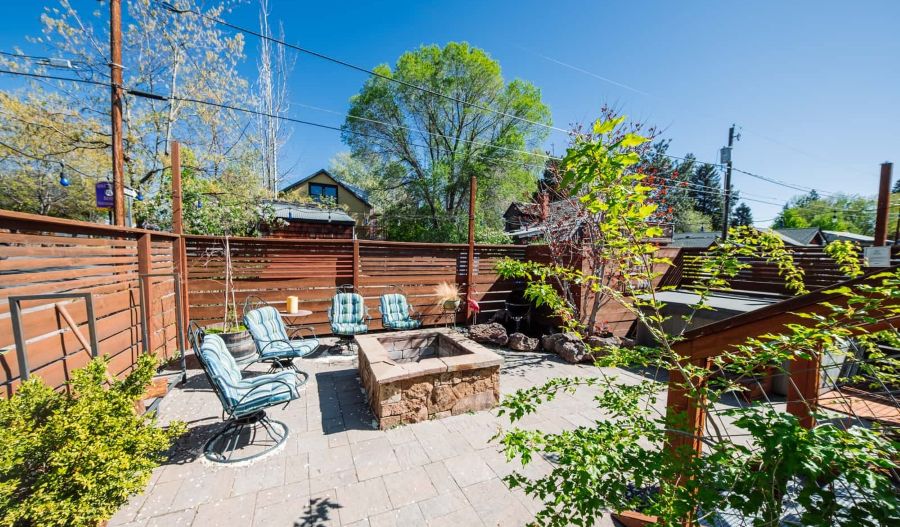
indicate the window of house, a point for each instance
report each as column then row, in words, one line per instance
column 320, row 191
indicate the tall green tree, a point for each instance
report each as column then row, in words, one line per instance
column 840, row 212
column 743, row 216
column 706, row 193
column 440, row 143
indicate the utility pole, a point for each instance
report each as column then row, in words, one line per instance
column 883, row 205
column 470, row 256
column 115, row 69
column 726, row 158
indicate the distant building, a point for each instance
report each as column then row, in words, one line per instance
column 861, row 239
column 811, row 236
column 310, row 221
column 808, row 237
column 322, row 186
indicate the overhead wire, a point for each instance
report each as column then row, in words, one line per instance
column 168, row 6
column 695, row 187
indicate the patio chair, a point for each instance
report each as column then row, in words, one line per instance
column 274, row 343
column 396, row 313
column 244, row 401
column 348, row 315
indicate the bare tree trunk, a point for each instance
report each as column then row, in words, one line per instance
column 273, row 70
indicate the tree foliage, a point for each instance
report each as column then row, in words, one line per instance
column 629, row 458
column 184, row 55
column 840, row 212
column 434, row 145
column 743, row 216
column 43, row 139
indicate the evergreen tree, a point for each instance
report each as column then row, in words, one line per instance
column 742, row 216
column 706, row 193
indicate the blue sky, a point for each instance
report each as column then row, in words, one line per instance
column 813, row 85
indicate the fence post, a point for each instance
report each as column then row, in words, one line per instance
column 803, row 388
column 179, row 246
column 356, row 265
column 145, row 266
column 685, row 416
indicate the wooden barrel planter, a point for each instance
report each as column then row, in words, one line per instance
column 239, row 343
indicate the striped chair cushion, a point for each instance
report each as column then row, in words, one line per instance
column 271, row 338
column 292, row 349
column 231, row 387
column 348, row 314
column 348, row 329
column 404, row 324
column 395, row 312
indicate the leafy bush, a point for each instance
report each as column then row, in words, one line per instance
column 72, row 459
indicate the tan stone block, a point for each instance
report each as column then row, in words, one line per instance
column 389, row 422
column 463, row 389
column 443, row 398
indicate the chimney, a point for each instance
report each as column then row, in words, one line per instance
column 545, row 206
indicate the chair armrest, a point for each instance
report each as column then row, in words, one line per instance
column 268, row 343
column 291, row 389
column 296, row 330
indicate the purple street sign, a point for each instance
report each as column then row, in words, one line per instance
column 104, row 193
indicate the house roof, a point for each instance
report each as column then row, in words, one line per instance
column 796, row 237
column 289, row 211
column 694, row 239
column 353, row 189
column 844, row 235
column 803, row 236
column 560, row 213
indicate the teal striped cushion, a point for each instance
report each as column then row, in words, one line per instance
column 348, row 329
column 292, row 349
column 395, row 312
column 231, row 387
column 271, row 338
column 347, row 308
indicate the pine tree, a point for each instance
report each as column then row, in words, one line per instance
column 743, row 216
column 706, row 193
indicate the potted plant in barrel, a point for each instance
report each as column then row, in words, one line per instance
column 232, row 330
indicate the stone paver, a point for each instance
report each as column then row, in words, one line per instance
column 337, row 469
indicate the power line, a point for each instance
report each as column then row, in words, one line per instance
column 171, row 8
column 154, row 96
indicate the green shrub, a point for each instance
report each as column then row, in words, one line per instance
column 74, row 458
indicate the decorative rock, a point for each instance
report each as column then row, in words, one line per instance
column 521, row 342
column 611, row 341
column 568, row 346
column 572, row 352
column 492, row 333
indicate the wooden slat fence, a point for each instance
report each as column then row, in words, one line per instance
column 40, row 255
column 272, row 269
column 820, row 270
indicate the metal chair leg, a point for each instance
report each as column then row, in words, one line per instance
column 221, row 448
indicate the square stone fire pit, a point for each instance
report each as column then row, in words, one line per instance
column 412, row 376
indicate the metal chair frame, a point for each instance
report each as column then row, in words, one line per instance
column 221, row 447
column 294, row 331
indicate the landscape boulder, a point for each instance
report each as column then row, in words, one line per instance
column 522, row 342
column 610, row 341
column 568, row 346
column 492, row 333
